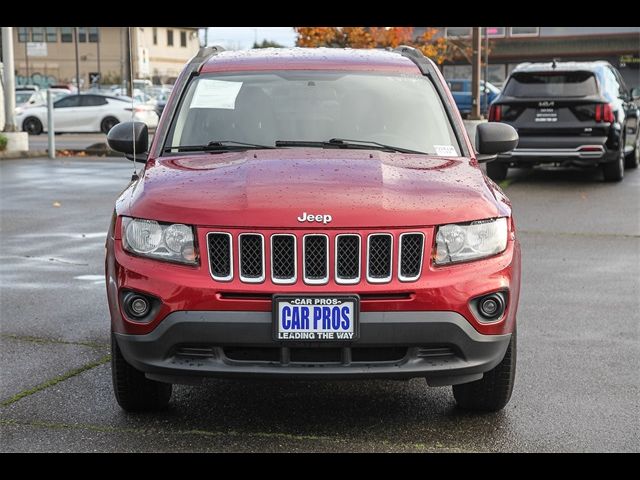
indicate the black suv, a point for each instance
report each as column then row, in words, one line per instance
column 569, row 113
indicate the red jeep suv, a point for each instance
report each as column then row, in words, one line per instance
column 312, row 214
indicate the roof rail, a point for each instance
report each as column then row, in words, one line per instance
column 204, row 54
column 409, row 51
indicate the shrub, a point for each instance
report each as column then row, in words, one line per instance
column 3, row 143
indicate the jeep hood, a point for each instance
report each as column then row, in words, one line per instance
column 272, row 188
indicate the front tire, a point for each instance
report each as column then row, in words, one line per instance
column 493, row 391
column 135, row 392
column 108, row 123
column 614, row 171
column 32, row 126
column 497, row 171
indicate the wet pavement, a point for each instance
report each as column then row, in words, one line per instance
column 577, row 386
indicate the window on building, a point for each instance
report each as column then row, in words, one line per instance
column 170, row 38
column 496, row 32
column 23, row 34
column 93, row 34
column 37, row 34
column 183, row 38
column 82, row 34
column 66, row 34
column 457, row 32
column 52, row 34
column 155, row 35
column 524, row 31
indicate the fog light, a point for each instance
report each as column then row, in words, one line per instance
column 491, row 307
column 136, row 305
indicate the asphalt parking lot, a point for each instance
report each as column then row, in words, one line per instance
column 577, row 385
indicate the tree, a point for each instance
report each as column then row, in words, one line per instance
column 377, row 37
column 267, row 44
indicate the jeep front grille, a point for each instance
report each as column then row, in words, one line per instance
column 380, row 254
column 251, row 253
column 316, row 259
column 410, row 261
column 286, row 258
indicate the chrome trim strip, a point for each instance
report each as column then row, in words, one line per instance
column 230, row 276
column 259, row 279
column 314, row 281
column 400, row 276
column 557, row 152
column 285, row 281
column 348, row 281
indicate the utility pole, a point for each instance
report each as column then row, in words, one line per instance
column 75, row 39
column 127, row 62
column 475, row 75
column 26, row 56
column 9, row 80
column 99, row 33
column 486, row 68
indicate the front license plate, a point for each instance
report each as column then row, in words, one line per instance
column 316, row 318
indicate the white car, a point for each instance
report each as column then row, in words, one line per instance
column 85, row 113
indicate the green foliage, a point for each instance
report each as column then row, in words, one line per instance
column 267, row 44
column 3, row 143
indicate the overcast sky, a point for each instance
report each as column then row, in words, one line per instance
column 242, row 38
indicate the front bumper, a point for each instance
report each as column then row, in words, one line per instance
column 190, row 345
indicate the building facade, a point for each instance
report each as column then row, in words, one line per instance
column 509, row 46
column 46, row 55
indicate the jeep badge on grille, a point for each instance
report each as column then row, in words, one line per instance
column 308, row 217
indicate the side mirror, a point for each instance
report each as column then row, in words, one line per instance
column 493, row 138
column 123, row 136
column 635, row 93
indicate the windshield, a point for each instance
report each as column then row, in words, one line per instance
column 551, row 84
column 23, row 97
column 314, row 106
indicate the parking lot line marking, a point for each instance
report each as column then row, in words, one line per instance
column 40, row 340
column 437, row 446
column 579, row 234
column 55, row 380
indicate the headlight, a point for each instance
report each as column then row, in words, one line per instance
column 459, row 243
column 173, row 242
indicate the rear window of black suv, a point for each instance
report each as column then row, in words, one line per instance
column 551, row 84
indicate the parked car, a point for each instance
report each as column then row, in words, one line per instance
column 569, row 114
column 461, row 91
column 29, row 97
column 85, row 113
column 26, row 98
column 312, row 213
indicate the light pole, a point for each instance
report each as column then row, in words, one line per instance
column 75, row 38
column 475, row 74
column 9, row 80
column 98, row 32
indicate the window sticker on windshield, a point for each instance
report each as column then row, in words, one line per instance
column 445, row 150
column 215, row 94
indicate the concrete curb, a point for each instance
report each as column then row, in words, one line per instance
column 95, row 150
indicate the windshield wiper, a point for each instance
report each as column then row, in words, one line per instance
column 217, row 146
column 345, row 143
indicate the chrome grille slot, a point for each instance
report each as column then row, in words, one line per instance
column 251, row 251
column 283, row 259
column 313, row 257
column 410, row 262
column 316, row 259
column 220, row 256
column 379, row 257
column 347, row 259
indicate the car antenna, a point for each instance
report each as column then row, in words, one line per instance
column 135, row 176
